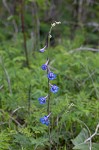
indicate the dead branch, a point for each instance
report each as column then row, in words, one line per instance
column 84, row 49
column 14, row 121
column 1, row 87
column 10, row 118
column 7, row 76
column 95, row 133
column 17, row 109
column 9, row 11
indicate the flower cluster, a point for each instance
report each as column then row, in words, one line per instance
column 53, row 89
column 51, row 76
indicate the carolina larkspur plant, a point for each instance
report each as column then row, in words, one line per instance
column 51, row 76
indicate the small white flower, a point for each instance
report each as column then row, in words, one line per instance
column 57, row 22
column 50, row 36
column 53, row 24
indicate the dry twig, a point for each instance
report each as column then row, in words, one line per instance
column 95, row 133
column 11, row 14
column 7, row 75
column 1, row 87
column 84, row 49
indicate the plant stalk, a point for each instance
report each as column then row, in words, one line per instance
column 23, row 31
column 48, row 107
column 29, row 99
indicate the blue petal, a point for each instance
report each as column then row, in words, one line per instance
column 54, row 89
column 42, row 120
column 42, row 50
column 44, row 67
column 51, row 76
column 45, row 120
column 42, row 100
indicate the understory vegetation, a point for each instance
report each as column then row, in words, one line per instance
column 74, row 53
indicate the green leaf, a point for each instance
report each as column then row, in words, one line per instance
column 79, row 141
column 4, row 140
column 83, row 135
column 83, row 146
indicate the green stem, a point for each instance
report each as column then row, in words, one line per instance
column 29, row 99
column 48, row 107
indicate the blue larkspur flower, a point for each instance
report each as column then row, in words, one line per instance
column 42, row 100
column 45, row 120
column 54, row 88
column 51, row 76
column 44, row 67
column 42, row 50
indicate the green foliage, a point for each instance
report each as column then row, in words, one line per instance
column 76, row 103
column 77, row 77
column 4, row 140
column 79, row 141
